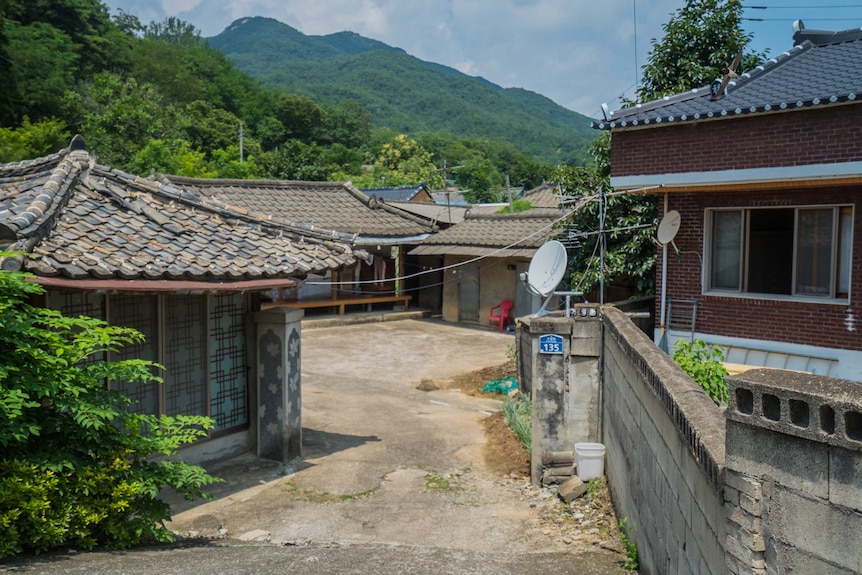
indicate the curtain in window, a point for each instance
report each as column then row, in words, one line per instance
column 814, row 252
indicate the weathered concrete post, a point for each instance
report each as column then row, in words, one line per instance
column 278, row 421
column 563, row 381
column 793, row 494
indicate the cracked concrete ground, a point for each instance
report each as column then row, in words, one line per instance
column 388, row 471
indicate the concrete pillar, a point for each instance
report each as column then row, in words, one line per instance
column 563, row 382
column 278, row 420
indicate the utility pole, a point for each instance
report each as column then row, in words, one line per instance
column 240, row 142
column 509, row 192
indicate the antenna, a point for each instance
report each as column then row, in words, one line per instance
column 668, row 228
column 546, row 272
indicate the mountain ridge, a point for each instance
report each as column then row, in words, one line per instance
column 402, row 92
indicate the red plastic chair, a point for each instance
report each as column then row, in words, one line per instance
column 503, row 317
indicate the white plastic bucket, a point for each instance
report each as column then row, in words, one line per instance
column 591, row 460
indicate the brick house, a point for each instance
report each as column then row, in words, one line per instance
column 766, row 177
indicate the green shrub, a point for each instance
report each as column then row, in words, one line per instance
column 704, row 365
column 75, row 465
column 518, row 412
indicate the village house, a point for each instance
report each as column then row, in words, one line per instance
column 187, row 272
column 383, row 232
column 760, row 184
column 482, row 257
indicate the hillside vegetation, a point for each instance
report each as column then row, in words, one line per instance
column 157, row 96
column 400, row 91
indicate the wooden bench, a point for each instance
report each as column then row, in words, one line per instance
column 341, row 302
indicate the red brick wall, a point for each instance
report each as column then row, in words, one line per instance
column 808, row 136
column 816, row 324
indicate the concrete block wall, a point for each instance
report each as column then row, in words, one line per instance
column 793, row 496
column 665, row 454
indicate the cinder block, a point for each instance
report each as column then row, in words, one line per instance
column 791, row 461
column 743, row 484
column 845, row 469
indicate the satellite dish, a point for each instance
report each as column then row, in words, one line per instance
column 668, row 227
column 546, row 271
column 606, row 111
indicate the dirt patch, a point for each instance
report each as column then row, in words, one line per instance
column 504, row 453
column 588, row 522
column 472, row 382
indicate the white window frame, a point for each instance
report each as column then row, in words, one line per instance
column 836, row 254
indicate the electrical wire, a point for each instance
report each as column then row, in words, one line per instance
column 451, row 266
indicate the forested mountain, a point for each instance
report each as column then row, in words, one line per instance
column 156, row 96
column 401, row 92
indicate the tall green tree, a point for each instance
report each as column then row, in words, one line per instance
column 117, row 116
column 699, row 40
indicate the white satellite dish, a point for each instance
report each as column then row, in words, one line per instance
column 668, row 227
column 546, row 271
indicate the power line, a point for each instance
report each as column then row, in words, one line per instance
column 803, row 7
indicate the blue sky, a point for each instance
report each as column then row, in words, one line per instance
column 579, row 53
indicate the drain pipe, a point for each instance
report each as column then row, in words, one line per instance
column 662, row 340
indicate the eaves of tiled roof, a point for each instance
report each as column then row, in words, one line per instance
column 84, row 221
column 529, row 229
column 328, row 205
column 809, row 75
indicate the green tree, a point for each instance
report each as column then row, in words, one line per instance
column 699, row 40
column 476, row 178
column 170, row 157
column 173, row 31
column 76, row 466
column 32, row 140
column 44, row 68
column 629, row 258
column 117, row 116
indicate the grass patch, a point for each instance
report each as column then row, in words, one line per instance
column 437, row 482
column 324, row 496
column 518, row 412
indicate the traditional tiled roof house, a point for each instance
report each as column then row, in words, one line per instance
column 483, row 256
column 185, row 271
column 382, row 231
column 765, row 178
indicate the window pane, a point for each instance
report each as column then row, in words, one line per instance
column 845, row 241
column 726, row 250
column 770, row 251
column 185, row 354
column 814, row 252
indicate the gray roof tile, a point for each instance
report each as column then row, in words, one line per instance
column 86, row 221
column 823, row 69
column 329, row 205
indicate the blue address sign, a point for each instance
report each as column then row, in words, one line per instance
column 551, row 344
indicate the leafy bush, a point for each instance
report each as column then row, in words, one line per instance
column 518, row 412
column 704, row 365
column 75, row 466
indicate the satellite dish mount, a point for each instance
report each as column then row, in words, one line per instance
column 546, row 272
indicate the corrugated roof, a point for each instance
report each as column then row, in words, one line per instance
column 329, row 205
column 85, row 221
column 394, row 193
column 823, row 69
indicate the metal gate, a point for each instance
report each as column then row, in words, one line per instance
column 468, row 293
